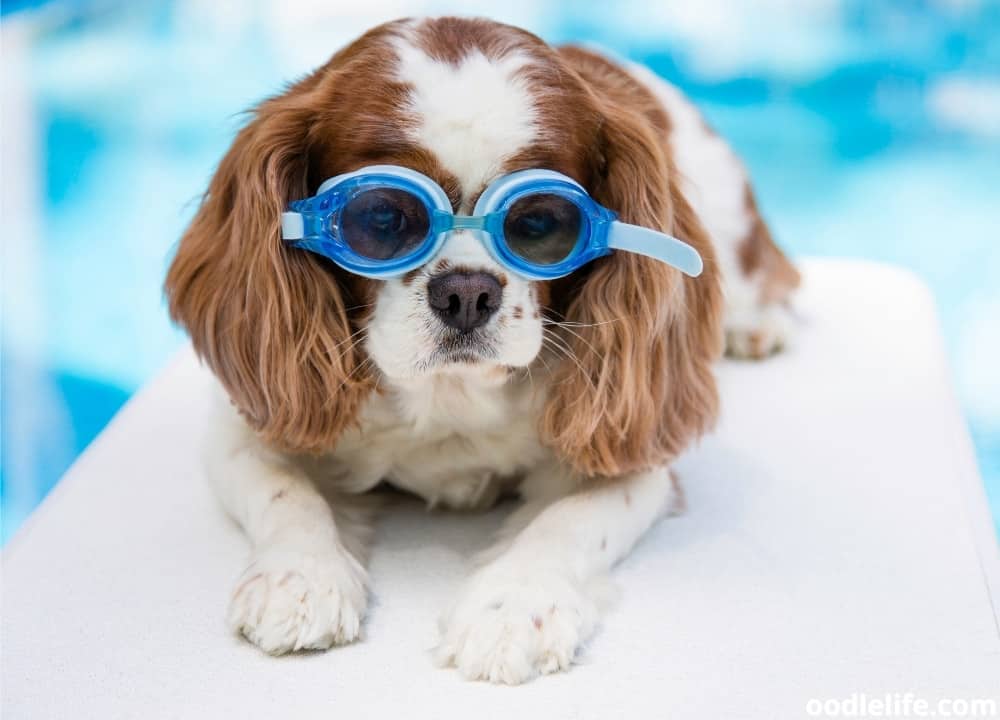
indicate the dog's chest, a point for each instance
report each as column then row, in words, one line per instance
column 456, row 440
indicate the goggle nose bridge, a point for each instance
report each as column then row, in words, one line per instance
column 445, row 221
column 468, row 222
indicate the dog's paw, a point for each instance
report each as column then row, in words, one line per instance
column 289, row 600
column 509, row 627
column 759, row 334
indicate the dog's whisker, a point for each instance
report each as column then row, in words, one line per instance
column 569, row 354
column 566, row 320
column 582, row 339
column 359, row 307
column 573, row 323
column 341, row 355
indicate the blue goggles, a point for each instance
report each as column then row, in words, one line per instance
column 384, row 221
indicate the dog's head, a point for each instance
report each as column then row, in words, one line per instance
column 626, row 342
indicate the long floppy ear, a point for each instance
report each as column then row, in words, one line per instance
column 271, row 322
column 644, row 336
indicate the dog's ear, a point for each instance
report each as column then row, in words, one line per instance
column 271, row 322
column 640, row 386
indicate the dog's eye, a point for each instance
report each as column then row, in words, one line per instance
column 535, row 225
column 542, row 228
column 385, row 219
column 384, row 223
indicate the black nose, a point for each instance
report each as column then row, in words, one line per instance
column 464, row 300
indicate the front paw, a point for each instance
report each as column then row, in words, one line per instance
column 288, row 600
column 507, row 627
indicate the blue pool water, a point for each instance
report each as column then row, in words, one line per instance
column 871, row 129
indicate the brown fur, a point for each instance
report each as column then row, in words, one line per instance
column 643, row 387
column 274, row 325
column 452, row 39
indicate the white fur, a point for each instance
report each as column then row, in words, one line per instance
column 459, row 434
column 454, row 438
column 472, row 116
column 303, row 588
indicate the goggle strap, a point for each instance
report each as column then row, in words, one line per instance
column 656, row 245
column 292, row 226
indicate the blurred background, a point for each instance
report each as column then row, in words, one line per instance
column 871, row 128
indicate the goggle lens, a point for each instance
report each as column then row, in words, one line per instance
column 542, row 228
column 384, row 223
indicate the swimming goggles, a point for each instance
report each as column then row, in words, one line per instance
column 383, row 221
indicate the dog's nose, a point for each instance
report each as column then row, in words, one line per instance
column 464, row 300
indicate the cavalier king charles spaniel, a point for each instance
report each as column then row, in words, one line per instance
column 462, row 380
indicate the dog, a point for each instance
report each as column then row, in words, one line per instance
column 461, row 381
